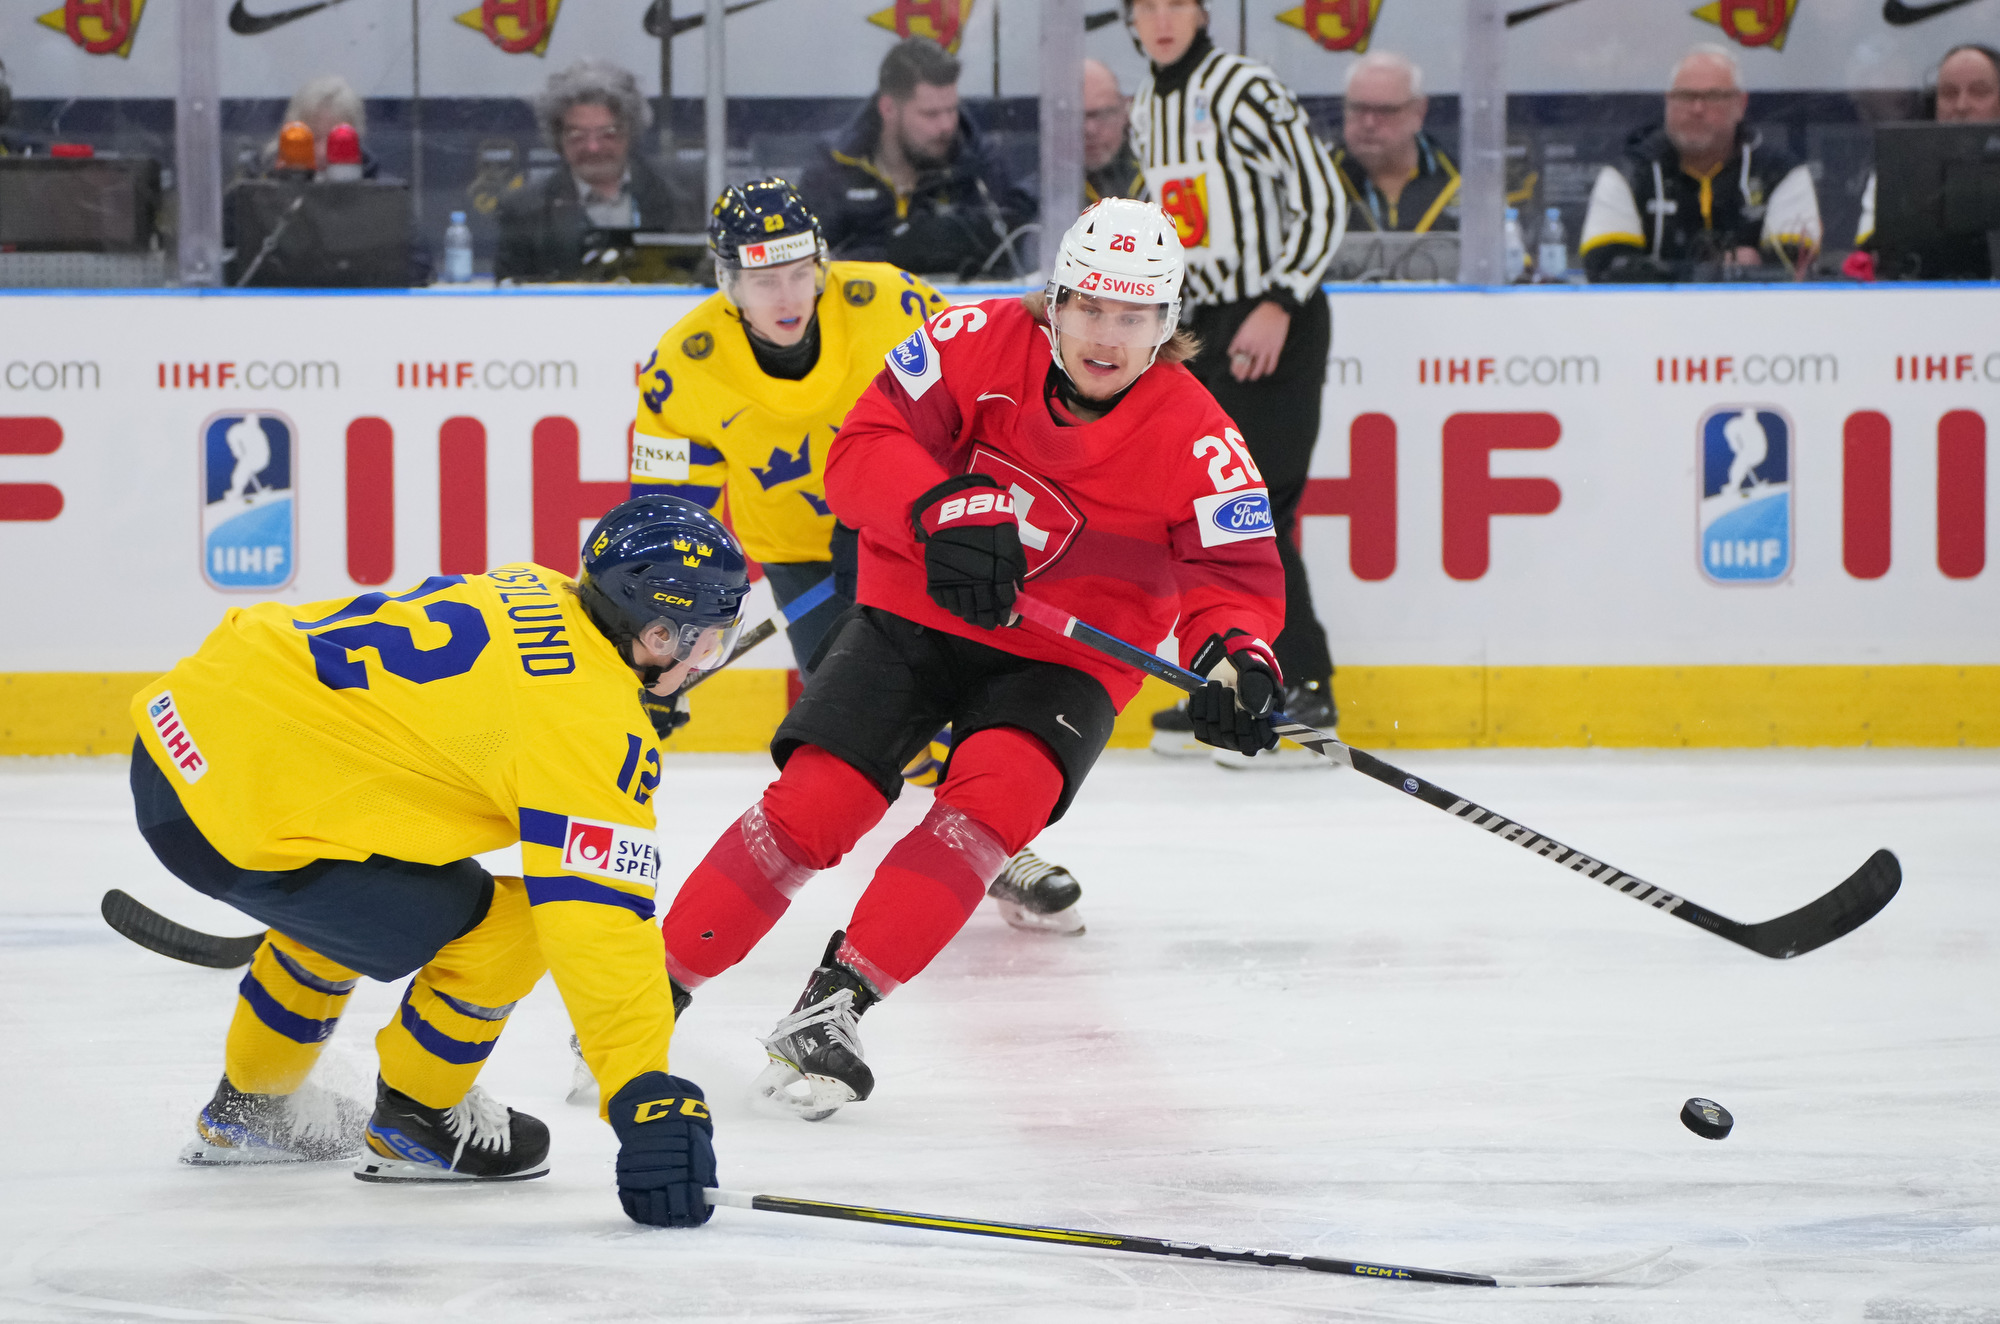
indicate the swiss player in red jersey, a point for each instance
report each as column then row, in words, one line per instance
column 1107, row 482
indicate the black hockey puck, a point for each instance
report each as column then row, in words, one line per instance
column 1706, row 1118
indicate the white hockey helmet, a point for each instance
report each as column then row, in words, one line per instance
column 1125, row 250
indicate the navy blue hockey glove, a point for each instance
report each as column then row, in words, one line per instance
column 668, row 714
column 1233, row 711
column 973, row 562
column 665, row 1150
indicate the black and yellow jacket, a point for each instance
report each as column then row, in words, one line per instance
column 1429, row 201
column 949, row 225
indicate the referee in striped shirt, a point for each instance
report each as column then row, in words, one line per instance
column 1229, row 154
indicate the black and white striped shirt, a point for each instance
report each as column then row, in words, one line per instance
column 1229, row 154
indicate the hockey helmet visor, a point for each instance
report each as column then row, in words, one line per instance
column 1097, row 320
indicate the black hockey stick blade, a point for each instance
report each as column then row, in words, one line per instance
column 155, row 932
column 1189, row 1250
column 1841, row 911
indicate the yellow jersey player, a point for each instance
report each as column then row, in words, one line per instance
column 331, row 769
column 742, row 398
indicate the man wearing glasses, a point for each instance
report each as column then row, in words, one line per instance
column 1110, row 170
column 1394, row 176
column 591, row 112
column 1702, row 193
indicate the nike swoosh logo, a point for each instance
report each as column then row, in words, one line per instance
column 733, row 417
column 1520, row 16
column 246, row 24
column 1897, row 14
column 1072, row 730
column 995, row 395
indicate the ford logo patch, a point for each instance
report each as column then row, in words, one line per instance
column 911, row 356
column 1249, row 513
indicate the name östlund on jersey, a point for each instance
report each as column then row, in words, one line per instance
column 1745, row 462
column 249, row 518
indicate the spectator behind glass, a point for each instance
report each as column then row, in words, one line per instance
column 911, row 180
column 6, row 109
column 1967, row 92
column 1395, row 176
column 592, row 113
column 1109, row 168
column 1701, row 192
column 322, row 104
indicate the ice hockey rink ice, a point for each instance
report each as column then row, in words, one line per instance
column 1308, row 1015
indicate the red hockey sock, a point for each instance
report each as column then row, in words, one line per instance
column 1002, row 784
column 807, row 819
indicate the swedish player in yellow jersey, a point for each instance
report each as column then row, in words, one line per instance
column 332, row 768
column 742, row 397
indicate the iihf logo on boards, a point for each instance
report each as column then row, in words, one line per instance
column 249, row 520
column 1746, row 494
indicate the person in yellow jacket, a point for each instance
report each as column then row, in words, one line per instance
column 332, row 768
column 741, row 399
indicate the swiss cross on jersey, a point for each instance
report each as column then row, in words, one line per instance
column 1047, row 519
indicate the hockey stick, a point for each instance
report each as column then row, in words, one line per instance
column 155, row 932
column 1067, row 1236
column 1846, row 908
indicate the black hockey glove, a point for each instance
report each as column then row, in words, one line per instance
column 668, row 714
column 973, row 562
column 1233, row 711
column 665, row 1150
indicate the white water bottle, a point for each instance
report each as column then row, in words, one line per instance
column 457, row 250
column 1552, row 256
column 1517, row 247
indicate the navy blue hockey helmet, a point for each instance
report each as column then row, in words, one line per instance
column 761, row 224
column 662, row 560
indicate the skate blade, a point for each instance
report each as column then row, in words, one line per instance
column 207, row 1154
column 1063, row 923
column 809, row 1098
column 1287, row 757
column 582, row 1086
column 1177, row 745
column 404, row 1172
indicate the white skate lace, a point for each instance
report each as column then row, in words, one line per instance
column 835, row 1012
column 1027, row 868
column 479, row 1120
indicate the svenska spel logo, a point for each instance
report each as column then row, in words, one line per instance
column 1746, row 494
column 249, row 516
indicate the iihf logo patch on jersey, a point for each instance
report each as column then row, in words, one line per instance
column 1746, row 494
column 249, row 519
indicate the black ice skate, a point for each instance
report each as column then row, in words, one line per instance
column 476, row 1139
column 1173, row 734
column 1037, row 896
column 816, row 1064
column 309, row 1125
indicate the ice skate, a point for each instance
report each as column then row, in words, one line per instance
column 476, row 1139
column 1173, row 734
column 1035, row 895
column 816, row 1062
column 309, row 1125
column 1309, row 702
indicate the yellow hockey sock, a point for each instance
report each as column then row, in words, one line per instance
column 286, row 1009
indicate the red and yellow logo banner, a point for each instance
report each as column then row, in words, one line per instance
column 518, row 27
column 1751, row 22
column 100, row 27
column 943, row 21
column 1337, row 25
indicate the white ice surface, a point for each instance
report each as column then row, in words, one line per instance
column 1308, row 1015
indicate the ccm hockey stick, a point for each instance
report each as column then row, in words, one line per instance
column 155, row 932
column 1846, row 908
column 1066, row 1236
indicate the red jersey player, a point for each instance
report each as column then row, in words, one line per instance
column 1108, row 483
